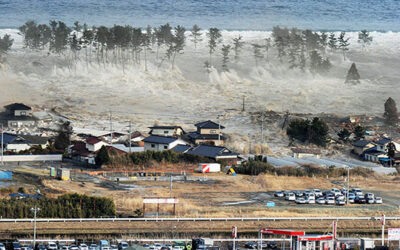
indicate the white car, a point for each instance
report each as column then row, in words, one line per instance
column 357, row 191
column 310, row 200
column 369, row 196
column 290, row 197
column 321, row 201
column 378, row 200
column 301, row 200
column 330, row 201
column 317, row 192
column 158, row 246
column 52, row 246
column 83, row 247
column 2, row 247
column 340, row 198
column 335, row 191
column 340, row 202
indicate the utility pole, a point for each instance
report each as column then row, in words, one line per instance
column 2, row 144
column 170, row 186
column 219, row 130
column 130, row 136
column 348, row 185
column 35, row 209
column 111, row 128
column 243, row 109
column 262, row 127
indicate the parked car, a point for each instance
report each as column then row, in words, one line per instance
column 250, row 245
column 93, row 247
column 123, row 245
column 321, row 200
column 272, row 245
column 26, row 247
column 158, row 246
column 262, row 244
column 340, row 197
column 317, row 192
column 16, row 246
column 340, row 202
column 357, row 191
column 301, row 200
column 41, row 247
column 2, row 246
column 146, row 246
column 83, row 246
column 352, row 195
column 370, row 200
column 114, row 247
column 330, row 201
column 310, row 200
column 279, row 194
column 168, row 246
column 335, row 191
column 369, row 196
column 351, row 200
column 65, row 247
column 298, row 193
column 378, row 200
column 52, row 246
column 360, row 200
column 73, row 247
column 290, row 197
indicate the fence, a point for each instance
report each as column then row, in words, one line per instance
column 17, row 158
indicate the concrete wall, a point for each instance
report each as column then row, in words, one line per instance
column 15, row 158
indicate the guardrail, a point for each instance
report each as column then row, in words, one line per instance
column 198, row 219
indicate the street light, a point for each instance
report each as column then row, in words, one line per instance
column 35, row 210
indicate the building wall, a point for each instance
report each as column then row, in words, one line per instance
column 17, row 147
column 167, row 132
column 17, row 124
column 216, row 143
column 162, row 147
column 95, row 147
column 207, row 131
column 23, row 112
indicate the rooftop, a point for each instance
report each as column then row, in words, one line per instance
column 93, row 140
column 198, row 136
column 160, row 139
column 17, row 106
column 181, row 148
column 211, row 151
column 383, row 141
column 209, row 124
column 361, row 143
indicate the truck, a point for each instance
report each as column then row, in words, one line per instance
column 209, row 167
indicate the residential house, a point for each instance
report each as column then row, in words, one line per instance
column 383, row 143
column 18, row 109
column 17, row 143
column 161, row 143
column 306, row 152
column 208, row 132
column 360, row 146
column 137, row 138
column 181, row 148
column 18, row 115
column 216, row 153
column 94, row 144
column 375, row 155
column 79, row 152
column 175, row 131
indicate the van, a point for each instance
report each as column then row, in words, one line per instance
column 104, row 245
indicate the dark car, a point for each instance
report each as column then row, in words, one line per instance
column 251, row 245
column 272, row 245
column 16, row 246
column 360, row 200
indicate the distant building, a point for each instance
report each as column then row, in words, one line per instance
column 161, row 143
column 167, row 131
column 208, row 132
column 17, row 143
column 306, row 152
column 18, row 115
column 18, row 109
column 215, row 152
column 94, row 144
column 360, row 146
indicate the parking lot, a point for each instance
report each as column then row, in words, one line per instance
column 334, row 196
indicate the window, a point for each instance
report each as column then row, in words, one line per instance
column 165, row 147
column 23, row 113
column 213, row 131
column 153, row 146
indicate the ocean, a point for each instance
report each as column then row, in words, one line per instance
column 322, row 15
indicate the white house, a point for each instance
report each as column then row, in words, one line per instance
column 17, row 143
column 161, row 143
column 94, row 144
column 166, row 130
